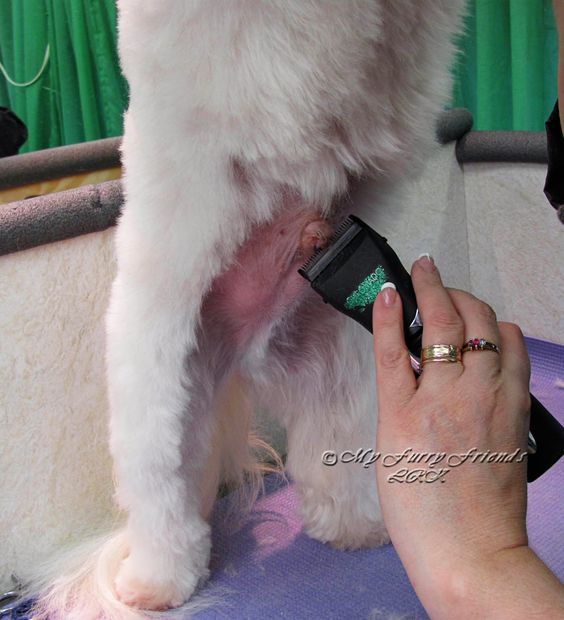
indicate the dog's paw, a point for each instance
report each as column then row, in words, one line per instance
column 144, row 586
column 371, row 533
column 359, row 534
column 137, row 589
column 344, row 525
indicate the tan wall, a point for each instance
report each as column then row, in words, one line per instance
column 58, row 185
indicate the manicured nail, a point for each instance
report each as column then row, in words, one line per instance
column 388, row 291
column 426, row 262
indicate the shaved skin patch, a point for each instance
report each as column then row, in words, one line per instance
column 366, row 292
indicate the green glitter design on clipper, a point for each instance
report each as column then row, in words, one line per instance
column 367, row 290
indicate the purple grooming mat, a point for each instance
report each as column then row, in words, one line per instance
column 268, row 568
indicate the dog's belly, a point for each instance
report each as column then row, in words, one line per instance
column 262, row 283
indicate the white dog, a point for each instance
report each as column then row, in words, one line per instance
column 247, row 122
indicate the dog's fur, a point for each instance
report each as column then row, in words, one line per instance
column 247, row 123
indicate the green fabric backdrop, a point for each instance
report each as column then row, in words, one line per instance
column 505, row 74
column 81, row 95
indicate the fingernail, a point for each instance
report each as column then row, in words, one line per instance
column 388, row 291
column 426, row 262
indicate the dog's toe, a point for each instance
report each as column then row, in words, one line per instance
column 371, row 534
column 158, row 594
column 346, row 523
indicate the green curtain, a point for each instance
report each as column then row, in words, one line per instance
column 81, row 94
column 505, row 73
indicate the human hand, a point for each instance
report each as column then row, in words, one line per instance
column 455, row 534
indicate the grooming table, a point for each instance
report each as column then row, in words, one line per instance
column 268, row 568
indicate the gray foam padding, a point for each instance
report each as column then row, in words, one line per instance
column 63, row 161
column 453, row 124
column 498, row 146
column 59, row 162
column 36, row 221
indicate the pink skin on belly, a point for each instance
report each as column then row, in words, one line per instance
column 263, row 281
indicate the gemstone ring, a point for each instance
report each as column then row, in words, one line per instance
column 479, row 344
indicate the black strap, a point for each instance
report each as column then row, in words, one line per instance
column 554, row 185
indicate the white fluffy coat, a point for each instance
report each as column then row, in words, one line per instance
column 248, row 119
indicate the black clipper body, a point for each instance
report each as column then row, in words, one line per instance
column 358, row 261
column 349, row 273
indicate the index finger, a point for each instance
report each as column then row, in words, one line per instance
column 394, row 375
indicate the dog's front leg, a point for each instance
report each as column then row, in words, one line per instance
column 169, row 246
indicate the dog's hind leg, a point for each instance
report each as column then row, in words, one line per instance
column 318, row 376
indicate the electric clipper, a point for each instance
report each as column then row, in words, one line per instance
column 349, row 273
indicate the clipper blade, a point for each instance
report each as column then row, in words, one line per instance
column 346, row 230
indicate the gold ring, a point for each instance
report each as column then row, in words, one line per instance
column 441, row 353
column 480, row 344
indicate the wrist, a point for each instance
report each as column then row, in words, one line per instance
column 512, row 583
